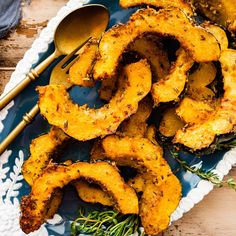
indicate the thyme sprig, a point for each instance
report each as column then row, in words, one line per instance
column 205, row 175
column 227, row 145
column 105, row 223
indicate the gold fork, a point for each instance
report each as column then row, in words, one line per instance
column 58, row 76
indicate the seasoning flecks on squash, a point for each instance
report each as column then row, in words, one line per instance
column 85, row 123
column 170, row 88
column 200, row 44
column 200, row 136
column 34, row 206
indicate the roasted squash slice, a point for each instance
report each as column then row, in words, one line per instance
column 80, row 71
column 198, row 81
column 138, row 153
column 183, row 5
column 219, row 34
column 151, row 49
column 200, row 44
column 84, row 123
column 93, row 193
column 170, row 123
column 138, row 182
column 136, row 125
column 158, row 203
column 148, row 48
column 151, row 134
column 170, row 88
column 34, row 206
column 194, row 112
column 161, row 185
column 222, row 12
column 41, row 151
column 223, row 121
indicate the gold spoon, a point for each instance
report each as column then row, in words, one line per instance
column 82, row 23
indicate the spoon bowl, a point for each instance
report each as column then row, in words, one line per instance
column 79, row 25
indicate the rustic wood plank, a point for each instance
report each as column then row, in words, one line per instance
column 4, row 78
column 214, row 216
column 35, row 17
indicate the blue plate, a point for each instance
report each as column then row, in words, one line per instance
column 12, row 185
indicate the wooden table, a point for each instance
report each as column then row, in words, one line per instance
column 214, row 216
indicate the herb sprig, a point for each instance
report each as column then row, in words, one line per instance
column 105, row 223
column 205, row 175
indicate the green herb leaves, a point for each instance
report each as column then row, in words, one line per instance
column 105, row 223
column 209, row 175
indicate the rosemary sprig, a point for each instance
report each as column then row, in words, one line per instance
column 105, row 223
column 209, row 175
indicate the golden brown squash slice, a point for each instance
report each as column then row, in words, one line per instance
column 194, row 112
column 223, row 120
column 183, row 5
column 161, row 186
column 198, row 81
column 80, row 71
column 136, row 125
column 170, row 123
column 170, row 88
column 158, row 202
column 222, row 12
column 34, row 206
column 93, row 193
column 151, row 134
column 219, row 34
column 41, row 152
column 138, row 153
column 148, row 48
column 151, row 49
column 200, row 44
column 84, row 123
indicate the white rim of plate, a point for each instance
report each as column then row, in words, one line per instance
column 40, row 45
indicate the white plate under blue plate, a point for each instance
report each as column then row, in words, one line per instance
column 12, row 185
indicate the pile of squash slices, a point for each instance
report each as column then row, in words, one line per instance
column 139, row 74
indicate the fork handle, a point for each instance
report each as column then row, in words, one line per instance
column 31, row 76
column 27, row 118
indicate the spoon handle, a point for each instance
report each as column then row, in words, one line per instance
column 27, row 118
column 31, row 76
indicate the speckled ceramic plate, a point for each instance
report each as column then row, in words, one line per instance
column 12, row 185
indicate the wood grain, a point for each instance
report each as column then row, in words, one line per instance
column 214, row 216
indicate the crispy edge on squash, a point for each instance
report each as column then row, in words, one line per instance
column 85, row 123
column 34, row 206
column 199, row 43
column 93, row 193
column 161, row 185
column 41, row 152
column 200, row 136
column 80, row 71
column 170, row 123
column 222, row 12
column 183, row 5
column 170, row 88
